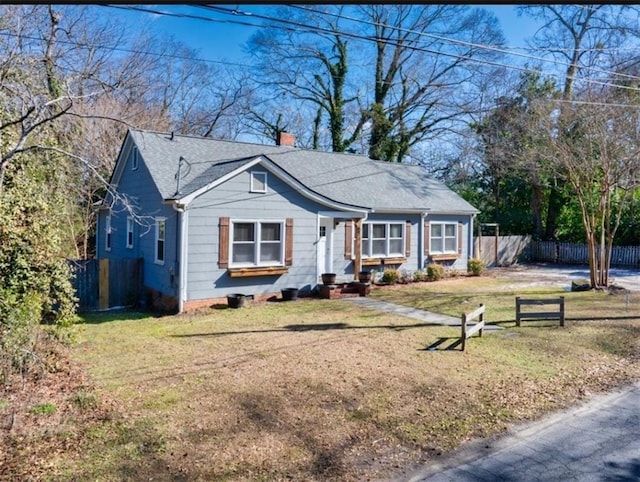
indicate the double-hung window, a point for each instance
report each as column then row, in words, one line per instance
column 135, row 156
column 107, row 229
column 257, row 243
column 160, row 237
column 258, row 181
column 444, row 238
column 380, row 240
column 129, row 232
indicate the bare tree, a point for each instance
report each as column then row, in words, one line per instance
column 597, row 150
column 584, row 40
column 308, row 65
column 427, row 58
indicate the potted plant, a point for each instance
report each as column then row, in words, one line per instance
column 328, row 278
column 364, row 276
column 289, row 294
column 235, row 300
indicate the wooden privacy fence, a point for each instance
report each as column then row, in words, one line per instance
column 107, row 283
column 501, row 250
column 572, row 253
column 468, row 331
column 508, row 250
column 539, row 315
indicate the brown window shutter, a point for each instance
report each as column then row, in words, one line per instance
column 348, row 238
column 288, row 242
column 223, row 243
column 459, row 238
column 427, row 237
column 407, row 240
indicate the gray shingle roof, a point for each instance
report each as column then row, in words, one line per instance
column 345, row 178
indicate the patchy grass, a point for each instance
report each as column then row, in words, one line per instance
column 326, row 390
column 43, row 409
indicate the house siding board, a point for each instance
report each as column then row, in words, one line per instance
column 205, row 279
column 139, row 187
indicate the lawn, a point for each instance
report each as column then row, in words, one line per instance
column 326, row 390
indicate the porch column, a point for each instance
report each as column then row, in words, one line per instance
column 357, row 262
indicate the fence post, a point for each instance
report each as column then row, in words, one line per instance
column 103, row 286
column 562, row 311
column 517, row 311
column 464, row 330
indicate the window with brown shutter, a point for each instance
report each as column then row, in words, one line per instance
column 459, row 238
column 223, row 243
column 348, row 238
column 426, row 238
column 407, row 240
column 288, row 240
column 255, row 248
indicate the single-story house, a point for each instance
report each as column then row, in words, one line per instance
column 212, row 217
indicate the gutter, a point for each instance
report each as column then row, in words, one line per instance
column 181, row 246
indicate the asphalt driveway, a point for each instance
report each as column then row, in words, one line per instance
column 562, row 275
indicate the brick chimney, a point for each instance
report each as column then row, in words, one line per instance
column 286, row 139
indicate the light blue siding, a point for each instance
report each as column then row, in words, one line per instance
column 233, row 199
column 138, row 186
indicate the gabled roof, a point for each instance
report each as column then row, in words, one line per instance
column 343, row 178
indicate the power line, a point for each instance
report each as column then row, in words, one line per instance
column 124, row 50
column 461, row 42
column 420, row 49
column 318, row 29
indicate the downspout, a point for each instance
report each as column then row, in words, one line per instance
column 471, row 251
column 421, row 241
column 357, row 262
column 97, row 236
column 181, row 247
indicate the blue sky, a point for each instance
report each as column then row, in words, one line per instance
column 223, row 41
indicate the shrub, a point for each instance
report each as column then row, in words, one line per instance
column 406, row 277
column 452, row 273
column 435, row 271
column 420, row 275
column 476, row 266
column 390, row 276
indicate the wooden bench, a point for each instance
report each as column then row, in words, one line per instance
column 539, row 315
column 467, row 330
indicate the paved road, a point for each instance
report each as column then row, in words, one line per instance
column 597, row 441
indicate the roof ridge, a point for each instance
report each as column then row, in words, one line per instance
column 285, row 149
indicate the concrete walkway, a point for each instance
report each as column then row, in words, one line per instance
column 597, row 441
column 425, row 316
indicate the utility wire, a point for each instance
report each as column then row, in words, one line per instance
column 460, row 42
column 360, row 37
column 421, row 49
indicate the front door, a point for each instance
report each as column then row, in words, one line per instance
column 324, row 245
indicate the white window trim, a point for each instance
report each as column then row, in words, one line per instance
column 254, row 175
column 388, row 224
column 135, row 158
column 455, row 236
column 256, row 249
column 107, row 233
column 164, row 241
column 130, row 232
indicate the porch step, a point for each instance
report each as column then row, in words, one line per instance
column 344, row 290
